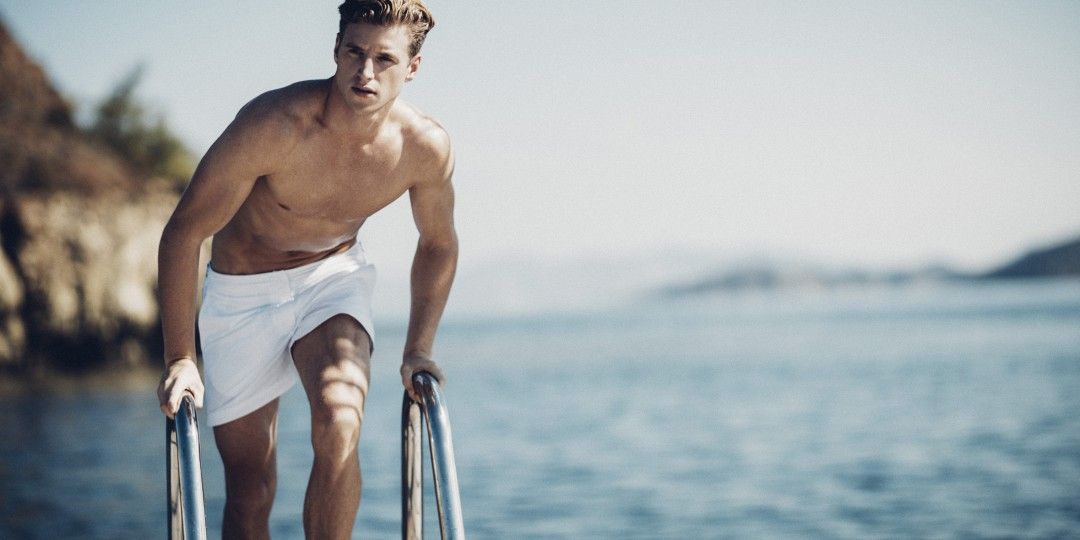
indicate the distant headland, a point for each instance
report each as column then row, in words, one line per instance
column 1062, row 260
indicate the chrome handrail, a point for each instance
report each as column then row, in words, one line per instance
column 441, row 451
column 186, row 509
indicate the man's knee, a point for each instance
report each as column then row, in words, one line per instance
column 250, row 485
column 337, row 396
column 249, row 497
column 333, row 361
column 335, row 428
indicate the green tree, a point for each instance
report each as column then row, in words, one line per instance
column 123, row 124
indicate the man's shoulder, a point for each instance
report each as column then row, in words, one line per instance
column 422, row 134
column 284, row 112
column 303, row 97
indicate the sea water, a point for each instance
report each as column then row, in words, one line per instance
column 934, row 411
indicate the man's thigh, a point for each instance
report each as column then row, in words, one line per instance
column 334, row 363
column 248, row 444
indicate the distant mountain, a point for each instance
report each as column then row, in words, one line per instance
column 1056, row 261
column 763, row 277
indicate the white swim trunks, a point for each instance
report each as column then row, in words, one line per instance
column 248, row 324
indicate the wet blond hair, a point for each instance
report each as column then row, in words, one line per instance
column 411, row 13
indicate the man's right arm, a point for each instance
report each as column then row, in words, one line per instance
column 252, row 146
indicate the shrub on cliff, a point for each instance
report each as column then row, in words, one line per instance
column 122, row 124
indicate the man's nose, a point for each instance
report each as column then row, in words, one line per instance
column 367, row 69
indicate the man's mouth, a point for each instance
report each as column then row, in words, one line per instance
column 362, row 91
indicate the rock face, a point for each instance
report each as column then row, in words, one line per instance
column 78, row 231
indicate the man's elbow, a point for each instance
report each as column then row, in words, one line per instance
column 177, row 236
column 442, row 245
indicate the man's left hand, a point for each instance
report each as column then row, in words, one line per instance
column 415, row 363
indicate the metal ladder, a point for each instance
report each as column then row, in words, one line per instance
column 441, row 451
column 185, row 505
column 185, row 502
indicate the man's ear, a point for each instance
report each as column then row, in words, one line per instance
column 337, row 43
column 414, row 67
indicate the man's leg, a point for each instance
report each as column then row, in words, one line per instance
column 248, row 448
column 334, row 366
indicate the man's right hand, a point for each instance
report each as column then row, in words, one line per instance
column 181, row 376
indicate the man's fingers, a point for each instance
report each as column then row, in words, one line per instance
column 409, row 370
column 174, row 401
column 434, row 370
column 179, row 379
column 437, row 373
column 406, row 381
column 164, row 394
column 194, row 393
column 428, row 366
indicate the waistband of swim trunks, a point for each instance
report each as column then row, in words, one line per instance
column 293, row 275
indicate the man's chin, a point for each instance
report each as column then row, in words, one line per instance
column 364, row 105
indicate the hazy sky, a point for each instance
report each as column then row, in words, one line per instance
column 884, row 134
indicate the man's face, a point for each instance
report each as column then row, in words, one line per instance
column 373, row 64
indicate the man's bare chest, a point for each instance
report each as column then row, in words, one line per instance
column 338, row 183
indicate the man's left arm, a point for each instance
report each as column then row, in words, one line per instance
column 432, row 200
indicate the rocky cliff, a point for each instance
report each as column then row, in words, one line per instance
column 78, row 230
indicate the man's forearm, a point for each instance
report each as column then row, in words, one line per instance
column 432, row 275
column 178, row 261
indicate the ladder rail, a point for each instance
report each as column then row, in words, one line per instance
column 441, row 451
column 185, row 503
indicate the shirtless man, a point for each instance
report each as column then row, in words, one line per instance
column 284, row 191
